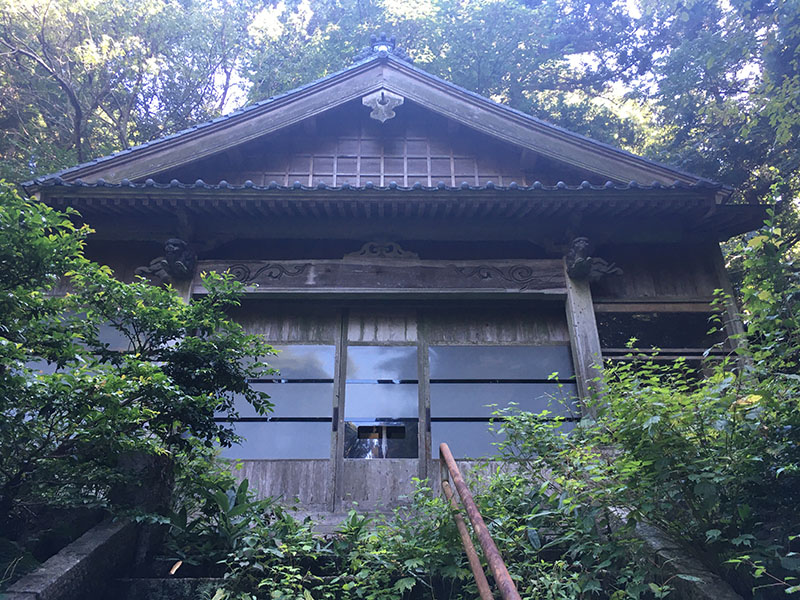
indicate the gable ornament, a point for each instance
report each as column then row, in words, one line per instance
column 382, row 103
column 177, row 264
column 581, row 266
column 382, row 45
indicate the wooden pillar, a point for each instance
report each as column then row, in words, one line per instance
column 423, row 376
column 586, row 354
column 732, row 321
column 340, row 383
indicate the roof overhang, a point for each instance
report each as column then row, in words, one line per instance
column 695, row 206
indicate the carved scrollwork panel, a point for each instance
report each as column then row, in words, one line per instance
column 522, row 276
column 393, row 276
column 244, row 274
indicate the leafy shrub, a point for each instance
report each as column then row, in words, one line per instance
column 416, row 553
column 74, row 415
column 714, row 460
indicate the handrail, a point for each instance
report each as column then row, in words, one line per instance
column 502, row 578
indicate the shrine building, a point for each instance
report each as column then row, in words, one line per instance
column 421, row 256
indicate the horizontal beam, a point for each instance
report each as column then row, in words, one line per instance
column 392, row 277
column 645, row 307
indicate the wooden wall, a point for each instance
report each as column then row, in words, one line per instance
column 297, row 324
column 346, row 146
column 665, row 299
column 540, row 323
column 306, row 481
column 683, row 272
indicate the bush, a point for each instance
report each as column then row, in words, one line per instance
column 73, row 413
column 712, row 459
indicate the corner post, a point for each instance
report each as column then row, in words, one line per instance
column 732, row 320
column 587, row 357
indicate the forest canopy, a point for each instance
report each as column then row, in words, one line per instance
column 708, row 86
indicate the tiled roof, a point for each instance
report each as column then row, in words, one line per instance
column 392, row 186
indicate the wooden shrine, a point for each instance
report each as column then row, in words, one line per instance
column 420, row 256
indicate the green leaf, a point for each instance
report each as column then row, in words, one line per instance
column 533, row 538
column 713, row 535
column 406, row 583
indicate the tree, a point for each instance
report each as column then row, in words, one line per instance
column 70, row 408
column 551, row 58
column 723, row 79
column 89, row 78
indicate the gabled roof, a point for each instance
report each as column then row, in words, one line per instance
column 380, row 71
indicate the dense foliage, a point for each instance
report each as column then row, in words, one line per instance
column 414, row 553
column 74, row 413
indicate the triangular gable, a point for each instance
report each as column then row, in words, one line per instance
column 166, row 157
column 346, row 146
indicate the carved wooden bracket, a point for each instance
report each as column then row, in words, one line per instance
column 390, row 250
column 382, row 103
column 177, row 264
column 583, row 267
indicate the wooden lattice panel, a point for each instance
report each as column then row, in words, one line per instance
column 345, row 146
column 414, row 147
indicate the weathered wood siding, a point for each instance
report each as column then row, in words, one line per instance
column 298, row 324
column 307, row 481
column 528, row 323
column 376, row 484
column 382, row 325
column 346, row 146
column 659, row 271
column 539, row 323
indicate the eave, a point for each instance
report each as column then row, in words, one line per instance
column 695, row 205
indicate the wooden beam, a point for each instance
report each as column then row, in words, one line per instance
column 644, row 307
column 393, row 276
column 586, row 353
